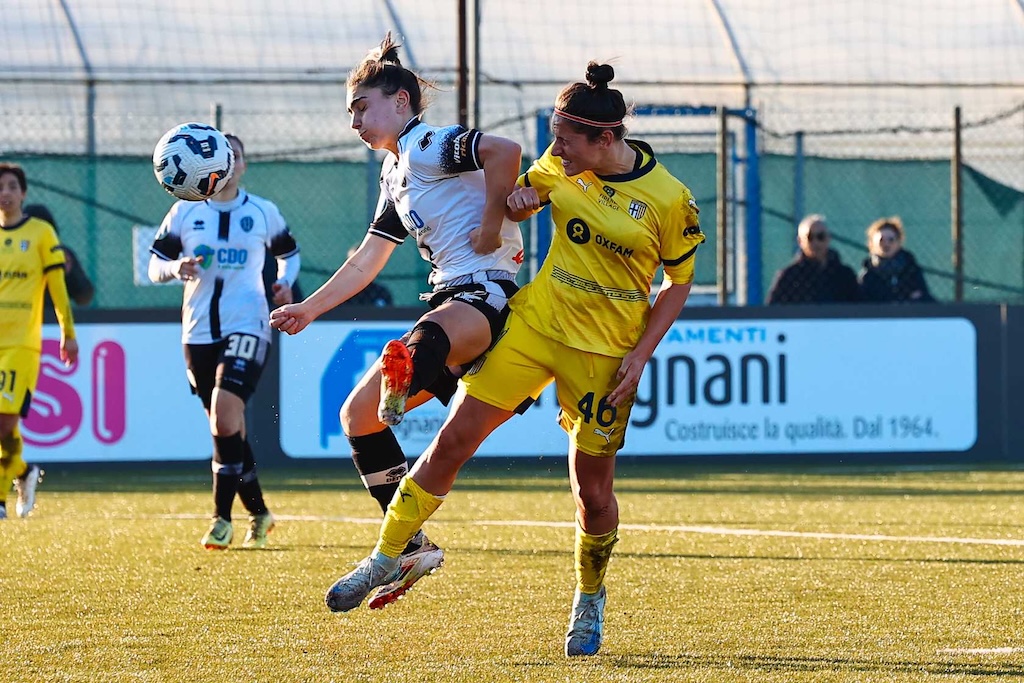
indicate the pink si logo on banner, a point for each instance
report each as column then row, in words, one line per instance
column 109, row 392
column 57, row 409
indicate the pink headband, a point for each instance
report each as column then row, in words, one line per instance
column 588, row 122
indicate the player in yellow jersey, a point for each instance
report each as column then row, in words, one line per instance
column 585, row 323
column 30, row 259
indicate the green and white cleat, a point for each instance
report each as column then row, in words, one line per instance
column 219, row 536
column 259, row 527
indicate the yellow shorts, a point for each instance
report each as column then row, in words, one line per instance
column 523, row 362
column 19, row 371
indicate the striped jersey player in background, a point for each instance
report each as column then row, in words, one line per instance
column 446, row 188
column 217, row 248
column 585, row 322
column 31, row 260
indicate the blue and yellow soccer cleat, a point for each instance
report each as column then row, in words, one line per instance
column 349, row 591
column 259, row 527
column 219, row 536
column 26, row 485
column 413, row 566
column 586, row 625
column 395, row 379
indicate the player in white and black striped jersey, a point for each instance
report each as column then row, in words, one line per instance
column 218, row 247
column 446, row 188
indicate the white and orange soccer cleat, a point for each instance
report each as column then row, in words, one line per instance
column 395, row 379
column 413, row 566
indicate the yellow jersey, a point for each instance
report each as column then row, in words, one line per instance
column 28, row 251
column 610, row 235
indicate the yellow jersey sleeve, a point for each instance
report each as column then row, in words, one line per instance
column 680, row 235
column 543, row 175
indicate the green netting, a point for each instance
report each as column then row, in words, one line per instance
column 327, row 204
column 852, row 193
column 97, row 203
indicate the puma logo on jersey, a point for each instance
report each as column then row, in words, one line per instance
column 607, row 435
column 583, row 183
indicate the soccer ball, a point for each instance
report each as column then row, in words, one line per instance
column 193, row 161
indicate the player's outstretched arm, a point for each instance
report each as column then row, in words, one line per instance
column 351, row 278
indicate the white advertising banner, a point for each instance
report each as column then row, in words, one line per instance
column 712, row 387
column 127, row 398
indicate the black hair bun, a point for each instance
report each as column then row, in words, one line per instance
column 599, row 75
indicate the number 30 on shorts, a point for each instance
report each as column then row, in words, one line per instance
column 605, row 414
column 241, row 346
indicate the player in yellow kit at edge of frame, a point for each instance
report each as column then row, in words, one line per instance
column 31, row 259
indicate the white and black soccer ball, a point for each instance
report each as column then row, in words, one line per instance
column 193, row 161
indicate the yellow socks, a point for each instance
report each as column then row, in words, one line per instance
column 11, row 463
column 592, row 555
column 409, row 509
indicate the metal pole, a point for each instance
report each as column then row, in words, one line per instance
column 463, row 65
column 216, row 115
column 540, row 230
column 722, row 209
column 91, row 183
column 751, row 253
column 957, row 210
column 474, row 66
column 798, row 177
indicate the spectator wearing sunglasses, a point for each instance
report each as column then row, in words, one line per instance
column 890, row 272
column 816, row 275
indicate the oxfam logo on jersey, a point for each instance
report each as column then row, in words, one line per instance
column 578, row 231
column 203, row 255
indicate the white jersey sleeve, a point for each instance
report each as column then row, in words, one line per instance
column 434, row 189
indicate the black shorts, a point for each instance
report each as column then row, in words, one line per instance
column 490, row 297
column 233, row 364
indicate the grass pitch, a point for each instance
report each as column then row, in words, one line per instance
column 849, row 575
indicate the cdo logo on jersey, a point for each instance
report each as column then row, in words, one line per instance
column 204, row 255
column 225, row 257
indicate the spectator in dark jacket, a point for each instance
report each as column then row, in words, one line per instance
column 816, row 275
column 890, row 272
column 80, row 288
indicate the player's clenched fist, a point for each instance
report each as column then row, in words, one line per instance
column 291, row 319
column 523, row 199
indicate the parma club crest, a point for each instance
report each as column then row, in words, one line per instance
column 637, row 209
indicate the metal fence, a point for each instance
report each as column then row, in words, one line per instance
column 850, row 115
